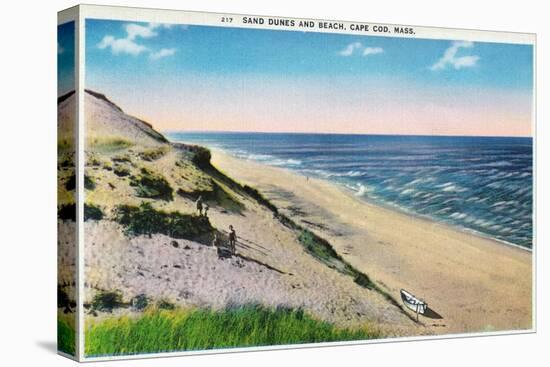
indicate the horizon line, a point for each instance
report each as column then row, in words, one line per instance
column 338, row 133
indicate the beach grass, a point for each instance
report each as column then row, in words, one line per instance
column 109, row 144
column 153, row 154
column 200, row 329
column 66, row 334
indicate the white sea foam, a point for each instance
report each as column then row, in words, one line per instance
column 362, row 190
column 407, row 191
column 458, row 215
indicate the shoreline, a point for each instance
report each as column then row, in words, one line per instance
column 423, row 217
column 435, row 260
column 389, row 207
column 369, row 201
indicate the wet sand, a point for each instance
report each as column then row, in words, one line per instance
column 471, row 283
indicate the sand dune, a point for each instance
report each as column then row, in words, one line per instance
column 272, row 267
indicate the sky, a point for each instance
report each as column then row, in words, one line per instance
column 196, row 78
column 65, row 58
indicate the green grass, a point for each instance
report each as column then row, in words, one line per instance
column 66, row 340
column 200, row 329
column 110, row 144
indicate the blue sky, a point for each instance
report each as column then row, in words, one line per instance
column 134, row 62
column 65, row 57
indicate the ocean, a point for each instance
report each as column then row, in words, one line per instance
column 479, row 184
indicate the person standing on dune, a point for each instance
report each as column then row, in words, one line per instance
column 199, row 205
column 232, row 238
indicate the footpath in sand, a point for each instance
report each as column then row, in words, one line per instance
column 471, row 283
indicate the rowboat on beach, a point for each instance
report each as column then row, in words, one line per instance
column 415, row 304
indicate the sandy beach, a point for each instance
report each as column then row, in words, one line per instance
column 471, row 283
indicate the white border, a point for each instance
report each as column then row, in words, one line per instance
column 212, row 19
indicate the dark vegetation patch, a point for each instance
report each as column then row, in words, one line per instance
column 89, row 183
column 92, row 212
column 140, row 302
column 145, row 220
column 164, row 304
column 322, row 250
column 70, row 185
column 256, row 195
column 153, row 154
column 152, row 186
column 121, row 171
column 201, row 156
column 63, row 300
column 107, row 301
column 122, row 159
column 67, row 212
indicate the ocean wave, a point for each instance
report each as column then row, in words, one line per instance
column 454, row 188
column 457, row 215
column 407, row 191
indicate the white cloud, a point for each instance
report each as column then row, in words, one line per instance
column 165, row 52
column 130, row 44
column 136, row 30
column 60, row 49
column 449, row 57
column 160, row 25
column 372, row 51
column 348, row 51
column 121, row 45
column 351, row 48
